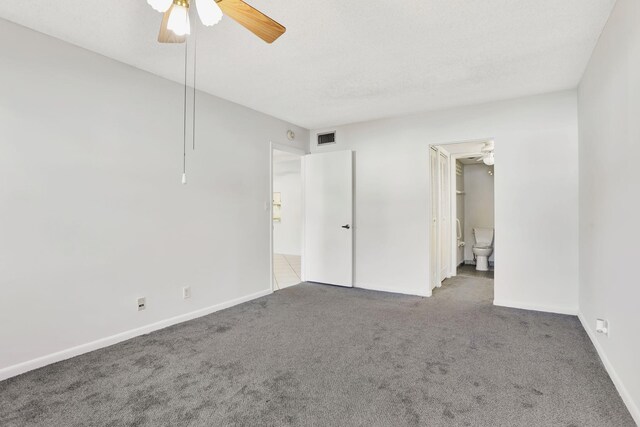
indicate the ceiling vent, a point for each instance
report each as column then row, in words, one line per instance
column 327, row 138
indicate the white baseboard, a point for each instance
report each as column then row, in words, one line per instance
column 39, row 362
column 545, row 308
column 622, row 390
column 396, row 290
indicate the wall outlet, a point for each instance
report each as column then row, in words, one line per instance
column 602, row 326
column 186, row 292
column 142, row 303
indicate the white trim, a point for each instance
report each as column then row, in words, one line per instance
column 287, row 148
column 573, row 311
column 465, row 141
column 270, row 201
column 622, row 390
column 407, row 291
column 303, row 222
column 39, row 362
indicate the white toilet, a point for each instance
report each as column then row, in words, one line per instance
column 483, row 247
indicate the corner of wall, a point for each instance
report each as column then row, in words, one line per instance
column 617, row 382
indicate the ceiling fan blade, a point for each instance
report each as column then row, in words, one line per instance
column 252, row 19
column 166, row 35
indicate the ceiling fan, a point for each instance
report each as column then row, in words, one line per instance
column 487, row 156
column 176, row 25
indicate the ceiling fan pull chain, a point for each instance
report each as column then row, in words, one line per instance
column 184, row 117
column 195, row 57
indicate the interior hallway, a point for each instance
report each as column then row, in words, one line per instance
column 323, row 355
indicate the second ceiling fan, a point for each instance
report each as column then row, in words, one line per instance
column 176, row 26
column 487, row 156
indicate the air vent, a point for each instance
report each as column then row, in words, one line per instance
column 326, row 138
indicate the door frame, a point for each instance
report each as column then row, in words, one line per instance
column 439, row 148
column 301, row 153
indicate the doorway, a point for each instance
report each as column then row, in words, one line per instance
column 311, row 222
column 286, row 217
column 462, row 239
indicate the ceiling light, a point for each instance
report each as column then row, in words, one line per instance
column 179, row 18
column 488, row 146
column 488, row 159
column 175, row 23
column 209, row 12
column 160, row 5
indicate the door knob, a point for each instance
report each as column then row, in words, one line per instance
column 346, row 226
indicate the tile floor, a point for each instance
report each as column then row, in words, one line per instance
column 286, row 270
column 469, row 270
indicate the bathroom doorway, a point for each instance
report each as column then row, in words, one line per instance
column 286, row 217
column 462, row 228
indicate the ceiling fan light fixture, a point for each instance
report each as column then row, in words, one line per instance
column 209, row 12
column 179, row 18
column 488, row 146
column 489, row 159
column 160, row 5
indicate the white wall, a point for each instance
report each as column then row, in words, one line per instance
column 609, row 116
column 536, row 196
column 92, row 212
column 287, row 233
column 479, row 202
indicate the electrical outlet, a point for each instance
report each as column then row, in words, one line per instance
column 602, row 326
column 186, row 292
column 142, row 303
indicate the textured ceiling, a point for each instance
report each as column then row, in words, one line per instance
column 347, row 61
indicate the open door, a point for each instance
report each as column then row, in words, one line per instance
column 435, row 205
column 445, row 216
column 328, row 212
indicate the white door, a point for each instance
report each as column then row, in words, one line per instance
column 328, row 212
column 435, row 202
column 445, row 213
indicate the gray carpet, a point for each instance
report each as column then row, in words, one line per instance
column 321, row 355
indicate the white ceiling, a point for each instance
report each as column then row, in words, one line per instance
column 347, row 61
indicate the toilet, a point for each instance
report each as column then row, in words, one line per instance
column 483, row 247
